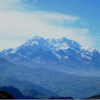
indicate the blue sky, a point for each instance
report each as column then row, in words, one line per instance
column 78, row 20
column 87, row 10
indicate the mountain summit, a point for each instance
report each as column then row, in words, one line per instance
column 58, row 54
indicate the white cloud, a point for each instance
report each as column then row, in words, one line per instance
column 9, row 1
column 15, row 4
column 7, row 4
column 16, row 27
column 56, row 16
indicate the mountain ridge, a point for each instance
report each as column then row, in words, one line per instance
column 58, row 54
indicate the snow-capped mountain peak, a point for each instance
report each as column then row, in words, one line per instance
column 63, row 44
column 36, row 40
column 67, row 51
column 63, row 55
column 64, row 39
column 91, row 49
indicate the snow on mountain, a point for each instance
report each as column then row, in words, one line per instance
column 59, row 54
column 63, row 44
column 91, row 49
column 6, row 51
column 55, row 46
column 36, row 42
column 51, row 45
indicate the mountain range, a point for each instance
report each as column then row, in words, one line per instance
column 14, row 93
column 62, row 55
column 47, row 81
column 51, row 67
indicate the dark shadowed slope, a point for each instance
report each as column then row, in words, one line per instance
column 13, row 91
column 24, row 85
column 94, row 97
column 5, row 95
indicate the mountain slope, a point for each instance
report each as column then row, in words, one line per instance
column 10, row 74
column 25, row 85
column 5, row 95
column 36, row 94
column 65, row 85
column 94, row 97
column 13, row 91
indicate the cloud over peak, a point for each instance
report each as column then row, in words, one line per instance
column 17, row 25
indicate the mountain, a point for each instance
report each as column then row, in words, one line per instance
column 5, row 95
column 12, row 74
column 62, row 55
column 48, row 82
column 50, row 66
column 94, row 97
column 13, row 91
column 26, row 87
column 36, row 94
